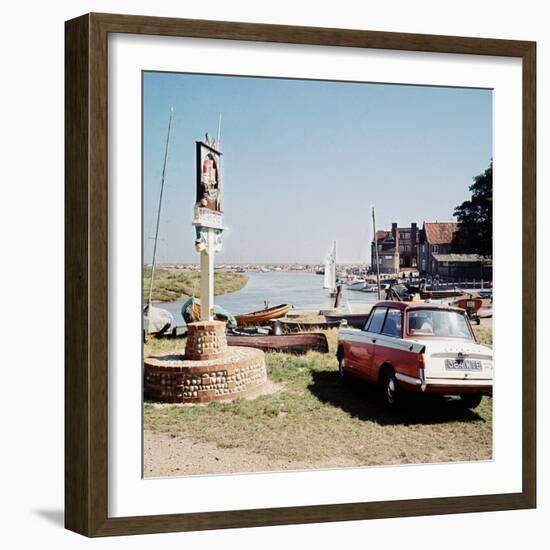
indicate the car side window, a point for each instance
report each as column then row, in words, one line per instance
column 376, row 320
column 392, row 324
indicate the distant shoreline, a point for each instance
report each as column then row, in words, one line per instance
column 173, row 284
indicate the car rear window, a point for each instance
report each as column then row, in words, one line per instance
column 440, row 323
column 376, row 319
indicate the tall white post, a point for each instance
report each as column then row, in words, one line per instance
column 207, row 278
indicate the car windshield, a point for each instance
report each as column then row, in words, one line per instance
column 438, row 322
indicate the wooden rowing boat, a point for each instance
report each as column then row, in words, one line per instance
column 468, row 304
column 296, row 344
column 263, row 316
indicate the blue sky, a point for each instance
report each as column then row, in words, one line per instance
column 304, row 161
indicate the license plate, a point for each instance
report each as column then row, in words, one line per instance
column 462, row 364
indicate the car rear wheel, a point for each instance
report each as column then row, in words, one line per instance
column 390, row 390
column 470, row 401
column 342, row 367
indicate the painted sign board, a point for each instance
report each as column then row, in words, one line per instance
column 208, row 176
column 207, row 212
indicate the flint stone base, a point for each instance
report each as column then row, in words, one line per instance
column 205, row 340
column 237, row 372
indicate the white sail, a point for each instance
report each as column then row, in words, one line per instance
column 330, row 269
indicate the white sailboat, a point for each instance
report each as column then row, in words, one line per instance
column 330, row 269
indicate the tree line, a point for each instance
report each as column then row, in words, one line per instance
column 475, row 217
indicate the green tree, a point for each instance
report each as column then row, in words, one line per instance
column 475, row 217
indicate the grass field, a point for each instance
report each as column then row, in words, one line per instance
column 316, row 419
column 484, row 331
column 174, row 284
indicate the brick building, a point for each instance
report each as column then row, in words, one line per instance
column 436, row 256
column 397, row 249
column 434, row 238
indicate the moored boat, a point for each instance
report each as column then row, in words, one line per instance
column 486, row 294
column 329, row 280
column 296, row 344
column 191, row 312
column 369, row 287
column 287, row 325
column 470, row 305
column 358, row 284
column 356, row 320
column 437, row 294
column 262, row 316
column 177, row 331
column 156, row 321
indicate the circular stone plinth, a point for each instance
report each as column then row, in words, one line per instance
column 240, row 372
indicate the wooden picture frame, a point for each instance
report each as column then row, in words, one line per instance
column 86, row 282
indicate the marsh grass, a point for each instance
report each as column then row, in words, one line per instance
column 175, row 284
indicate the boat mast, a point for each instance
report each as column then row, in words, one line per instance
column 219, row 136
column 375, row 240
column 159, row 210
column 334, row 266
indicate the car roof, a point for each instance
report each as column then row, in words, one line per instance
column 419, row 304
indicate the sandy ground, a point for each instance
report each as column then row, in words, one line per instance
column 165, row 455
column 179, row 455
column 170, row 455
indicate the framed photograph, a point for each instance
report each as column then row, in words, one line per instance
column 293, row 293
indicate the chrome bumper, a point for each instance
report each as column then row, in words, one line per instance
column 450, row 382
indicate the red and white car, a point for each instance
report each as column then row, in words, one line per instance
column 418, row 347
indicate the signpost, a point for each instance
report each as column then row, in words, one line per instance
column 186, row 377
column 207, row 219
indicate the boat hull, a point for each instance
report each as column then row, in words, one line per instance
column 299, row 326
column 438, row 294
column 295, row 344
column 356, row 285
column 356, row 320
column 263, row 316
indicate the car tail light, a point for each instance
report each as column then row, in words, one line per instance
column 421, row 373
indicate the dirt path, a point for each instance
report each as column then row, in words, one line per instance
column 165, row 455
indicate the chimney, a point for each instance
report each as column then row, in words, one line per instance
column 414, row 233
column 395, row 232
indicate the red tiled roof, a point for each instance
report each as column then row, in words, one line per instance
column 440, row 232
